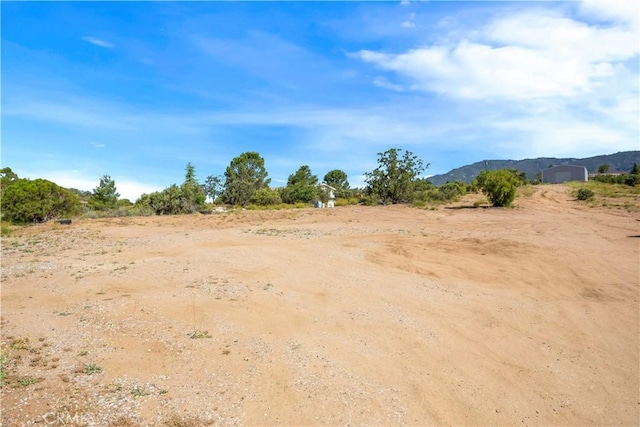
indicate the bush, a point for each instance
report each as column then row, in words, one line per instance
column 266, row 197
column 629, row 179
column 585, row 194
column 500, row 186
column 346, row 202
column 26, row 201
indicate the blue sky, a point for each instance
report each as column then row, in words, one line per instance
column 137, row 90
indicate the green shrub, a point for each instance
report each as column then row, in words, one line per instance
column 346, row 202
column 266, row 197
column 585, row 194
column 28, row 201
column 500, row 186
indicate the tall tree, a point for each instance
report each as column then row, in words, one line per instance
column 7, row 177
column 192, row 194
column 338, row 180
column 391, row 181
column 213, row 186
column 244, row 176
column 603, row 168
column 301, row 186
column 105, row 195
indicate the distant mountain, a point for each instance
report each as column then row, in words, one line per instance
column 618, row 162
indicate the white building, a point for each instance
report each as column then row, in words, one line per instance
column 330, row 196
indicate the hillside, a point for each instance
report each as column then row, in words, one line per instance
column 622, row 161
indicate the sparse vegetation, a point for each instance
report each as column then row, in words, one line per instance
column 180, row 421
column 27, row 381
column 4, row 361
column 614, row 196
column 5, row 229
column 585, row 194
column 139, row 391
column 92, row 368
column 197, row 334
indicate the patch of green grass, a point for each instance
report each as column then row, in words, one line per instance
column 92, row 368
column 4, row 367
column 199, row 334
column 27, row 381
column 612, row 196
column 139, row 391
column 6, row 229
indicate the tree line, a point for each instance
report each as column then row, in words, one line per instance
column 245, row 183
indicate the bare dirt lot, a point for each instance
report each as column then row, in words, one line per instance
column 348, row 316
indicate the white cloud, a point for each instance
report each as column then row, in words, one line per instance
column 615, row 10
column 97, row 145
column 408, row 24
column 98, row 42
column 527, row 55
column 384, row 83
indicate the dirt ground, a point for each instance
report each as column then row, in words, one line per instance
column 347, row 316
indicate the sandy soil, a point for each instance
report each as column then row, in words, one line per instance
column 350, row 316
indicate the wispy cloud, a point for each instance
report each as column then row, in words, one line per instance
column 98, row 42
column 526, row 55
column 386, row 84
column 97, row 145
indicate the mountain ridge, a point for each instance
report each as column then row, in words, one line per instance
column 618, row 162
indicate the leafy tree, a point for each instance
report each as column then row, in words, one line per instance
column 392, row 180
column 244, row 176
column 266, row 196
column 301, row 186
column 83, row 195
column 338, row 180
column 635, row 170
column 451, row 190
column 603, row 168
column 104, row 195
column 192, row 195
column 7, row 177
column 165, row 202
column 213, row 187
column 519, row 175
column 26, row 201
column 500, row 186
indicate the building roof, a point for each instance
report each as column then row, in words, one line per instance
column 322, row 184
